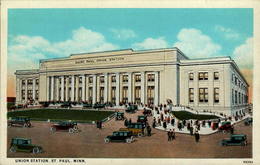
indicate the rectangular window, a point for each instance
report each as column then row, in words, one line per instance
column 191, row 76
column 150, row 78
column 216, row 75
column 191, row 95
column 125, row 94
column 138, row 94
column 216, row 95
column 203, row 75
column 23, row 82
column 80, row 80
column 102, row 79
column 235, row 97
column 203, row 94
column 37, row 81
column 113, row 78
column 150, row 94
column 113, row 95
column 138, row 78
column 101, row 92
column 125, row 78
column 90, row 80
column 232, row 96
column 30, row 82
column 69, row 80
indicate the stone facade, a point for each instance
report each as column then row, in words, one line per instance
column 149, row 77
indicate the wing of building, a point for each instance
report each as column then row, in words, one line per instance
column 147, row 76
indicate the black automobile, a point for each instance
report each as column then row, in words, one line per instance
column 248, row 121
column 24, row 145
column 19, row 121
column 120, row 116
column 87, row 105
column 131, row 109
column 235, row 140
column 98, row 106
column 120, row 136
column 66, row 105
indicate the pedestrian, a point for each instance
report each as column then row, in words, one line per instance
column 232, row 130
column 173, row 134
column 172, row 122
column 191, row 131
column 164, row 125
column 169, row 135
column 126, row 122
column 179, row 126
column 197, row 136
column 130, row 121
column 188, row 126
column 154, row 124
column 149, row 131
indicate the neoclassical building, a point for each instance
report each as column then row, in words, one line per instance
column 147, row 76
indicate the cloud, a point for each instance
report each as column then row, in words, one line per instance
column 243, row 54
column 228, row 33
column 24, row 52
column 196, row 44
column 123, row 34
column 151, row 43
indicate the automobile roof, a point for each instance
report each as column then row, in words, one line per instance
column 20, row 138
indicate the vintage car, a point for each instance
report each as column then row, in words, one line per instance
column 137, row 129
column 24, row 145
column 87, row 105
column 71, row 127
column 225, row 126
column 20, row 121
column 248, row 121
column 97, row 105
column 142, row 119
column 120, row 136
column 235, row 140
column 65, row 105
column 119, row 116
column 131, row 109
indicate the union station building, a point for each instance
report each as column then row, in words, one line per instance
column 147, row 76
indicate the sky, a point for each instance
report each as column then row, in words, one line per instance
column 35, row 34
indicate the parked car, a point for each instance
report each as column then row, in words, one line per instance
column 234, row 140
column 24, row 145
column 97, row 105
column 137, row 129
column 71, row 127
column 20, row 121
column 120, row 116
column 120, row 136
column 87, row 105
column 66, row 105
column 225, row 126
column 142, row 119
column 248, row 121
column 132, row 109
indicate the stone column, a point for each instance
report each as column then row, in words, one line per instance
column 143, row 80
column 77, row 88
column 57, row 85
column 48, row 88
column 87, row 86
column 34, row 82
column 26, row 90
column 83, row 87
column 72, row 87
column 67, row 88
column 94, row 89
column 130, row 87
column 52, row 88
column 105, row 87
column 117, row 88
column 62, row 88
column 156, row 89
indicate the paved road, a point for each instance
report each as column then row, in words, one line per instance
column 89, row 143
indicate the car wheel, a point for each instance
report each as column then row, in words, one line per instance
column 245, row 143
column 53, row 129
column 224, row 131
column 128, row 140
column 71, row 130
column 29, row 124
column 75, row 128
column 119, row 118
column 9, row 125
column 107, row 140
column 13, row 149
column 36, row 150
column 139, row 134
